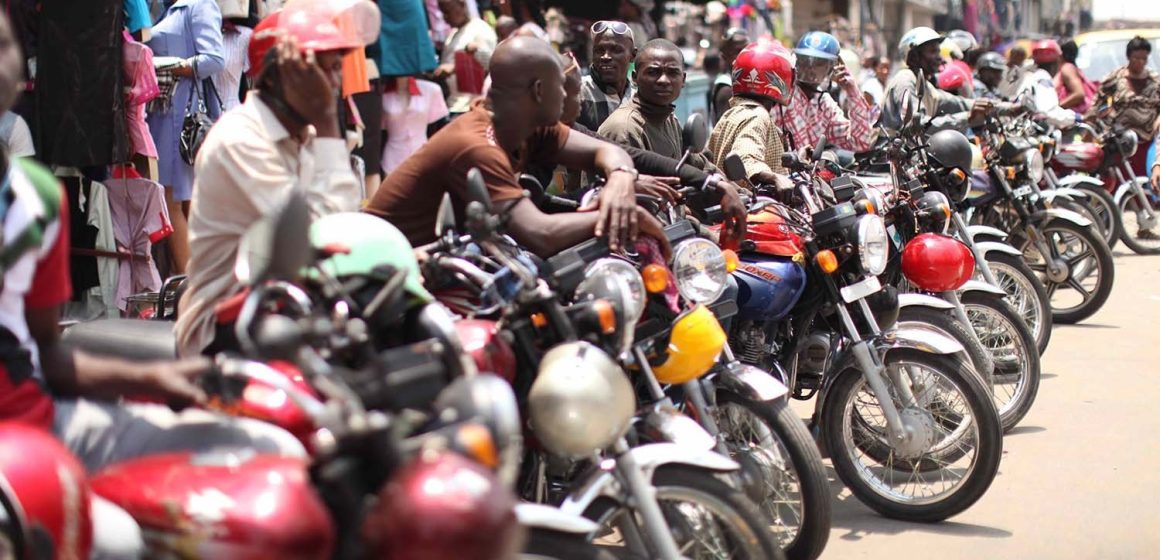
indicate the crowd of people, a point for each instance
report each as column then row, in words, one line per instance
column 436, row 89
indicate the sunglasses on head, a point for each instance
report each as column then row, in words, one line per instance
column 617, row 27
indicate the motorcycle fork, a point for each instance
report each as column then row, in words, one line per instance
column 643, row 500
column 695, row 398
column 1054, row 269
column 1145, row 211
column 980, row 256
column 952, row 297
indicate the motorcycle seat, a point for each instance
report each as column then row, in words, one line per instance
column 129, row 339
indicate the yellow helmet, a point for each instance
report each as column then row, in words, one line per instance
column 694, row 345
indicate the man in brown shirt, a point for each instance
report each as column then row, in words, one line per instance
column 518, row 124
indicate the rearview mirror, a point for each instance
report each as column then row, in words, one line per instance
column 695, row 134
column 735, row 168
column 277, row 246
column 477, row 189
column 907, row 108
column 445, row 221
column 531, row 184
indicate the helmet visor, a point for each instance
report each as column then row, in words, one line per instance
column 813, row 70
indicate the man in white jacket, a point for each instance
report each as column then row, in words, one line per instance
column 1040, row 86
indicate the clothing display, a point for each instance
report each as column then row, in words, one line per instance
column 406, row 123
column 15, row 135
column 228, row 82
column 807, row 121
column 80, row 96
column 410, row 196
column 410, row 50
column 142, row 83
column 140, row 219
column 596, row 104
column 747, row 129
column 190, row 29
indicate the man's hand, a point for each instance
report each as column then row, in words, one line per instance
column 306, row 87
column 843, row 78
column 444, row 70
column 733, row 211
column 1156, row 176
column 471, row 47
column 652, row 227
column 981, row 107
column 618, row 212
column 659, row 187
column 173, row 382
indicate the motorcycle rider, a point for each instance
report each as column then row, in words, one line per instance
column 811, row 116
column 517, row 124
column 606, row 86
column 989, row 70
column 1039, row 85
column 72, row 393
column 285, row 136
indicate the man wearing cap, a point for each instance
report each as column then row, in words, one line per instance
column 284, row 137
column 606, row 87
column 811, row 117
column 989, row 70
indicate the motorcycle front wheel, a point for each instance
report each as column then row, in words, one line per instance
column 1090, row 269
column 1141, row 240
column 1015, row 383
column 790, row 487
column 707, row 518
column 950, row 405
column 1026, row 294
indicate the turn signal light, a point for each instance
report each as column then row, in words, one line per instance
column 827, row 261
column 1010, row 173
column 866, row 207
column 539, row 320
column 655, row 277
column 732, row 261
column 475, row 440
column 958, row 175
column 606, row 314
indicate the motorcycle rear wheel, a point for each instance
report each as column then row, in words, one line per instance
column 1083, row 248
column 971, row 439
column 1107, row 213
column 684, row 491
column 1017, row 365
column 775, row 430
column 950, row 325
column 1129, row 207
column 1026, row 294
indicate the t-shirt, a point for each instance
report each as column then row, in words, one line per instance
column 38, row 279
column 409, row 198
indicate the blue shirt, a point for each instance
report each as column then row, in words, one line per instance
column 137, row 16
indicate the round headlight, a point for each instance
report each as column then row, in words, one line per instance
column 699, row 267
column 873, row 244
column 875, row 197
column 630, row 287
column 1034, row 161
column 581, row 401
column 1129, row 143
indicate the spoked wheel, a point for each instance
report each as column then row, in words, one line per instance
column 1026, row 294
column 1140, row 234
column 1017, row 367
column 1105, row 213
column 783, row 470
column 1088, row 270
column 950, row 325
column 707, row 518
column 948, row 463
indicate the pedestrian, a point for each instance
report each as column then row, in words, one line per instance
column 470, row 35
column 1134, row 90
column 874, row 88
column 606, row 87
column 636, row 14
column 410, row 106
column 732, row 43
column 191, row 30
column 1074, row 89
column 235, row 41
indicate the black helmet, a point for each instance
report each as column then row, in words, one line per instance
column 949, row 148
column 992, row 60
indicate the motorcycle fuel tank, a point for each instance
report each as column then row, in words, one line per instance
column 768, row 288
column 1078, row 156
column 490, row 352
column 236, row 505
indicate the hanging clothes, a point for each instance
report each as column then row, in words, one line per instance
column 80, row 101
column 228, row 82
column 406, row 122
column 140, row 220
column 142, row 83
column 405, row 46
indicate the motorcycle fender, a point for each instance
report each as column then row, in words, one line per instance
column 1053, row 194
column 1043, row 216
column 990, row 246
column 602, row 482
column 539, row 516
column 923, row 300
column 1126, row 189
column 989, row 231
column 1071, row 193
column 670, row 425
column 980, row 286
column 922, row 338
column 751, row 383
column 1073, row 181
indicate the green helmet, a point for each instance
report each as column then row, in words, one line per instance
column 370, row 242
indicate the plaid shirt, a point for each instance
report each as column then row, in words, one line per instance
column 596, row 105
column 747, row 129
column 805, row 120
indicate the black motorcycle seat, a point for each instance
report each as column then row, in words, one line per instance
column 130, row 339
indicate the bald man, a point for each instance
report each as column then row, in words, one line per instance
column 517, row 124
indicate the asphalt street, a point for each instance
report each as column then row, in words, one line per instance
column 1080, row 477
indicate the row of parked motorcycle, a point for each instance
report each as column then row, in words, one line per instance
column 485, row 403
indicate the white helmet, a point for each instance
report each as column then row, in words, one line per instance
column 964, row 39
column 915, row 37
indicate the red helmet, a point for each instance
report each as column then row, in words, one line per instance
column 1045, row 51
column 46, row 494
column 937, row 263
column 954, row 75
column 764, row 68
column 317, row 25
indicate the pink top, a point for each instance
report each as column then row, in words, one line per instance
column 141, row 81
column 406, row 125
column 1061, row 89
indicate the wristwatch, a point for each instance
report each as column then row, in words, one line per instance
column 635, row 174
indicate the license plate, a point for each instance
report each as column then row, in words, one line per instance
column 1021, row 191
column 855, row 292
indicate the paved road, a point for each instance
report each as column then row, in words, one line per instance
column 1080, row 477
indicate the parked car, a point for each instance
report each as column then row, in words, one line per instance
column 1100, row 52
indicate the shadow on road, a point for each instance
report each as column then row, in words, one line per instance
column 1048, row 376
column 1017, row 430
column 1087, row 326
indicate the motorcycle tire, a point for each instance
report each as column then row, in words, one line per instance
column 554, row 545
column 1128, row 206
column 805, row 460
column 950, row 325
column 993, row 320
column 1093, row 301
column 689, row 483
column 1020, row 278
column 1107, row 213
column 837, row 422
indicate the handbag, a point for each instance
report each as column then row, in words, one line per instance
column 197, row 120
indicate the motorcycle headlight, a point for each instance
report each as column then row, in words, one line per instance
column 873, row 244
column 628, row 289
column 1034, row 161
column 699, row 267
column 875, row 197
column 1129, row 143
column 581, row 401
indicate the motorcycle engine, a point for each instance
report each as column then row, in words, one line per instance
column 748, row 343
column 813, row 359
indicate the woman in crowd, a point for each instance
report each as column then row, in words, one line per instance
column 1075, row 91
column 191, row 31
column 1135, row 93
